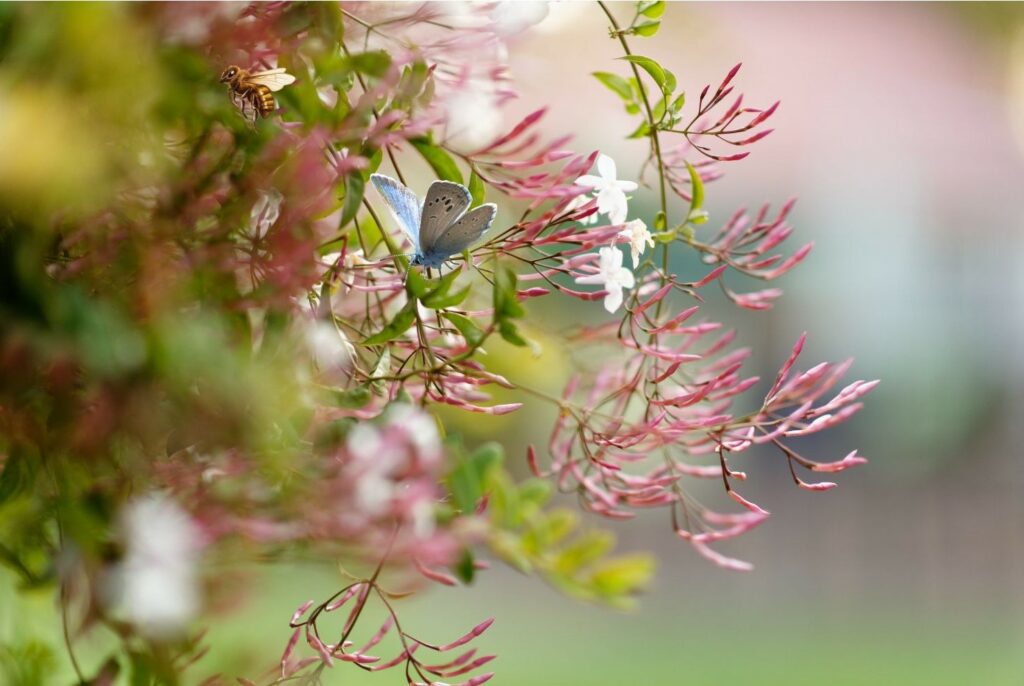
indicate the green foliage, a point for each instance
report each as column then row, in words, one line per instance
column 398, row 325
column 473, row 334
column 647, row 19
column 616, row 84
column 507, row 306
column 27, row 664
column 476, row 188
column 470, row 478
column 438, row 159
column 549, row 541
column 536, row 538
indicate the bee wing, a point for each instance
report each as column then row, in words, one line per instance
column 274, row 79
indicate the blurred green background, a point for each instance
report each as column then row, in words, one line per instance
column 902, row 132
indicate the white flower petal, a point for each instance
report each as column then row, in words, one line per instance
column 591, row 279
column 626, row 186
column 635, row 254
column 625, row 278
column 613, row 300
column 591, row 181
column 606, row 167
column 612, row 202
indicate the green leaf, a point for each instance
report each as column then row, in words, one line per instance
column 623, row 575
column 535, row 491
column 469, row 479
column 439, row 160
column 658, row 113
column 416, row 284
column 652, row 8
column 678, row 103
column 355, row 187
column 437, row 293
column 329, row 21
column 476, row 188
column 643, row 130
column 142, row 672
column 649, row 66
column 670, row 83
column 647, row 29
column 697, row 189
column 410, row 86
column 616, row 84
column 374, row 63
column 665, row 236
column 440, row 301
column 396, row 327
column 660, row 221
column 470, row 331
column 586, row 548
column 464, row 569
column 352, row 399
column 507, row 306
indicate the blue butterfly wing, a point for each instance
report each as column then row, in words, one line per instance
column 404, row 204
column 466, row 231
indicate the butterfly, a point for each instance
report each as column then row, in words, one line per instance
column 440, row 226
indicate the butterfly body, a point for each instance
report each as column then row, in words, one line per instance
column 440, row 226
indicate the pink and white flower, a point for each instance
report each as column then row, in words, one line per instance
column 610, row 191
column 639, row 239
column 612, row 275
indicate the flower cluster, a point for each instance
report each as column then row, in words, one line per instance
column 216, row 346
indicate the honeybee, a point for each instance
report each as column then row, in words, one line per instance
column 250, row 91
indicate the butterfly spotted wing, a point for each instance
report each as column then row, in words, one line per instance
column 445, row 203
column 404, row 205
column 463, row 233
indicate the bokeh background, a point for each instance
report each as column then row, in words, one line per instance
column 902, row 132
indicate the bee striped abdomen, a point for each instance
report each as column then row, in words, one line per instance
column 265, row 102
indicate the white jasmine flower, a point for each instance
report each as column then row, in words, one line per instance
column 156, row 584
column 639, row 239
column 611, row 192
column 265, row 212
column 612, row 275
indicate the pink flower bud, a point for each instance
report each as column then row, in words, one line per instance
column 712, row 275
column 531, row 460
column 301, row 611
column 819, row 486
column 440, row 577
column 473, row 633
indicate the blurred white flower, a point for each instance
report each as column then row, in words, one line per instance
column 515, row 16
column 474, row 119
column 156, row 584
column 612, row 275
column 639, row 239
column 611, row 192
column 420, row 427
column 330, row 348
column 265, row 212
